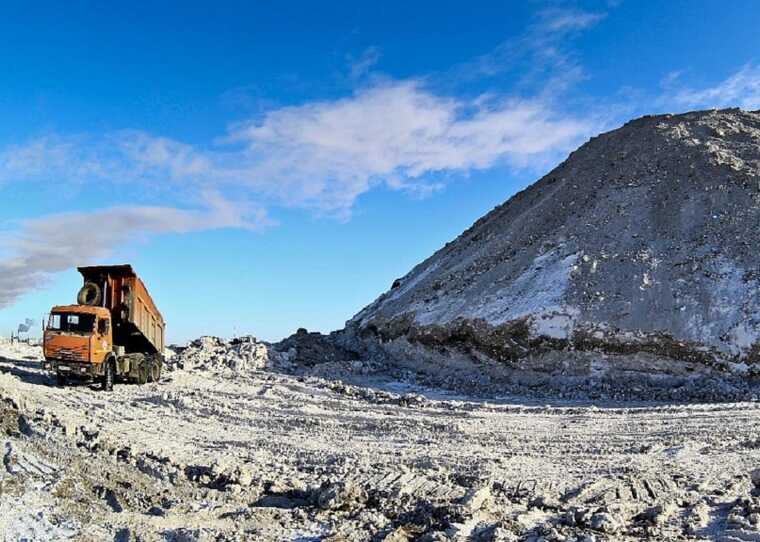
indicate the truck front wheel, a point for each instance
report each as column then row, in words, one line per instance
column 109, row 374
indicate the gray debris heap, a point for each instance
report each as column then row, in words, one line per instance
column 634, row 261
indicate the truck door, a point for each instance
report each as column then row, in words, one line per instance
column 101, row 341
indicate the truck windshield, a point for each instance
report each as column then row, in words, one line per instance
column 67, row 321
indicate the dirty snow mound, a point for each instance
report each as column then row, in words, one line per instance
column 216, row 354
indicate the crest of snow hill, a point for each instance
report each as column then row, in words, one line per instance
column 639, row 253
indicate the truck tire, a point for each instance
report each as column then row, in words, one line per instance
column 155, row 370
column 61, row 379
column 109, row 375
column 90, row 294
column 143, row 372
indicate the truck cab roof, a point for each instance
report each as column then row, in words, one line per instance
column 102, row 312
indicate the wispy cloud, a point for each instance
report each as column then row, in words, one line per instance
column 49, row 157
column 565, row 20
column 542, row 56
column 324, row 155
column 361, row 66
column 321, row 155
column 741, row 89
column 122, row 156
column 54, row 243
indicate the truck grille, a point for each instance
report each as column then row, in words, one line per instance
column 69, row 354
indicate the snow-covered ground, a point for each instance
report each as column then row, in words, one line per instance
column 234, row 452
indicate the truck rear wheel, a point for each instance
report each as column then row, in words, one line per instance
column 109, row 374
column 61, row 379
column 155, row 371
column 143, row 372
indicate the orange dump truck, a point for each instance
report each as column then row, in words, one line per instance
column 114, row 330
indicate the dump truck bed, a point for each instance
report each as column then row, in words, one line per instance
column 138, row 324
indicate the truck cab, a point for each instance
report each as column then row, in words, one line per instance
column 78, row 333
column 77, row 340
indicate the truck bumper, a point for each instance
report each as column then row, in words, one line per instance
column 72, row 368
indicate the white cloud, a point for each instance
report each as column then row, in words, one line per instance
column 123, row 156
column 541, row 56
column 742, row 89
column 49, row 157
column 43, row 246
column 565, row 20
column 172, row 158
column 321, row 155
column 359, row 67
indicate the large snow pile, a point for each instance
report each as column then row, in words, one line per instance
column 642, row 243
column 215, row 354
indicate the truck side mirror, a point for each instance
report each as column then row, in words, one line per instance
column 103, row 326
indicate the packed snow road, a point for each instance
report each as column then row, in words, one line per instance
column 264, row 455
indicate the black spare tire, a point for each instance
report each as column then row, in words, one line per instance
column 90, row 294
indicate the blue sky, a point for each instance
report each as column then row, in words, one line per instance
column 266, row 168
